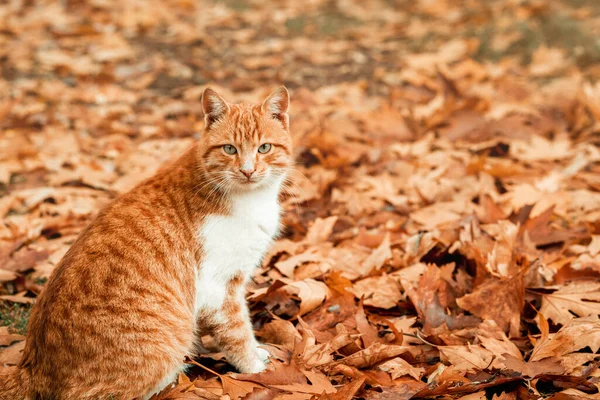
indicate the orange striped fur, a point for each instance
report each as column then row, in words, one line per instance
column 161, row 263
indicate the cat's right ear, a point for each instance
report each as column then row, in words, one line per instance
column 214, row 107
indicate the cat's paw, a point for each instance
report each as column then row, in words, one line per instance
column 262, row 354
column 258, row 366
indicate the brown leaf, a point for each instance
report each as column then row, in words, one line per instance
column 368, row 332
column 277, row 374
column 308, row 354
column 12, row 354
column 577, row 334
column 377, row 352
column 382, row 291
column 279, row 331
column 320, row 230
column 398, row 367
column 236, row 388
column 311, row 292
column 533, row 368
column 346, row 392
column 500, row 300
column 427, row 293
column 7, row 338
column 379, row 256
column 580, row 298
column 468, row 358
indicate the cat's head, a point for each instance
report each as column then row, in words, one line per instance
column 246, row 146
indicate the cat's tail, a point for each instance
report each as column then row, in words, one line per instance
column 13, row 383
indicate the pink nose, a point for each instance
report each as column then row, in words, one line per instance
column 247, row 172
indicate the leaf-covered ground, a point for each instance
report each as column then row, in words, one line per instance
column 443, row 233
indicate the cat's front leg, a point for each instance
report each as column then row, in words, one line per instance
column 233, row 332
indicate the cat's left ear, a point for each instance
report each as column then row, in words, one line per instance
column 277, row 106
column 214, row 107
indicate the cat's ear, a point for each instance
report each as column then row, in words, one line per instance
column 214, row 107
column 277, row 106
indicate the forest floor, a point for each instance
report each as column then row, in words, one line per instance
column 442, row 239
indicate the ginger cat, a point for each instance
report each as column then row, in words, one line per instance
column 162, row 264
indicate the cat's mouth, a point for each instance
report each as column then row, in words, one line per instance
column 249, row 183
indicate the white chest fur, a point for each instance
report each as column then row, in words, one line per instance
column 235, row 243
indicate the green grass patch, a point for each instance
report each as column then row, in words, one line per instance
column 551, row 30
column 15, row 316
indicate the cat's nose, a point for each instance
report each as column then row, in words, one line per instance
column 247, row 171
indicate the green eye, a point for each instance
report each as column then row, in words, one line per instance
column 264, row 148
column 229, row 149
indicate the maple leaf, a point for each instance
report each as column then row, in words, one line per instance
column 577, row 334
column 494, row 339
column 427, row 290
column 368, row 332
column 309, row 354
column 398, row 367
column 382, row 291
column 579, row 298
column 372, row 355
column 500, row 300
column 346, row 392
column 7, row 338
column 380, row 255
column 468, row 358
column 279, row 331
column 311, row 293
column 533, row 368
column 289, row 377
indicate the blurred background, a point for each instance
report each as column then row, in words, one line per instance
column 99, row 77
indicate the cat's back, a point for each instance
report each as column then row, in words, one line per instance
column 118, row 290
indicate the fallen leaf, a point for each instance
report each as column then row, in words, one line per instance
column 580, row 298
column 398, row 367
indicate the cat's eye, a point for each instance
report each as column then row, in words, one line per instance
column 229, row 149
column 264, row 148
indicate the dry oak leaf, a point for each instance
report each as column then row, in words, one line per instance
column 320, row 230
column 13, row 354
column 379, row 256
column 184, row 390
column 577, row 334
column 279, row 331
column 290, row 378
column 7, row 338
column 287, row 266
column 368, row 332
column 427, row 291
column 500, row 300
column 7, row 276
column 532, row 369
column 373, row 354
column 346, row 392
column 311, row 292
column 475, row 396
column 574, row 394
column 182, row 393
column 402, row 391
column 309, row 354
column 233, row 387
column 381, row 291
column 237, row 389
column 494, row 339
column 468, row 358
column 398, row 367
column 579, row 298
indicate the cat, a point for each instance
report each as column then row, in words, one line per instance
column 163, row 264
